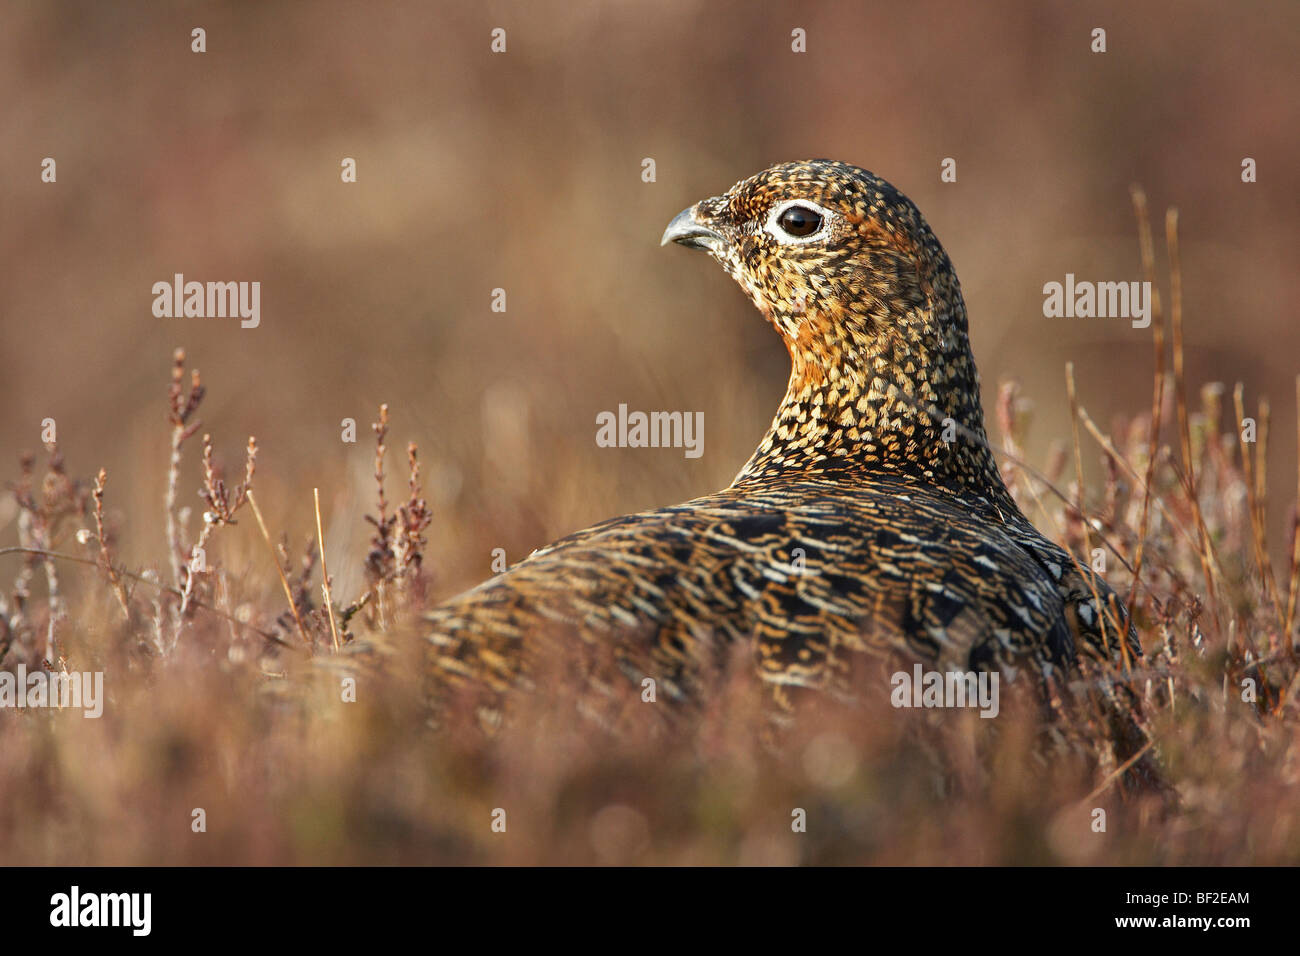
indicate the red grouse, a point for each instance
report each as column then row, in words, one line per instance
column 871, row 520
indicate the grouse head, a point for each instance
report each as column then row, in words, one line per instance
column 845, row 268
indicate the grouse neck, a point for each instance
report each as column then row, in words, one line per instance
column 904, row 403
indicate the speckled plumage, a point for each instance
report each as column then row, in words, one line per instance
column 872, row 519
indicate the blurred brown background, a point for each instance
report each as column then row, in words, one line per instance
column 522, row 171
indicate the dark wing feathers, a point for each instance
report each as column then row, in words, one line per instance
column 808, row 571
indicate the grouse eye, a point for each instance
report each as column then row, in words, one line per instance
column 799, row 221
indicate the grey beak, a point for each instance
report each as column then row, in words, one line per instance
column 686, row 230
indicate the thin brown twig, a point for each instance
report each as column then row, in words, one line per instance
column 284, row 581
column 114, row 578
column 152, row 582
column 180, row 408
column 1180, row 401
column 1119, row 771
column 325, row 572
column 1261, row 501
column 1110, row 449
column 383, row 527
column 1293, row 577
column 1083, row 518
column 1007, row 394
column 1254, row 502
column 381, row 432
column 1147, row 248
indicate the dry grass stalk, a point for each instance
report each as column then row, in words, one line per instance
column 1293, row 575
column 325, row 573
column 279, row 568
column 1147, row 251
column 1180, row 398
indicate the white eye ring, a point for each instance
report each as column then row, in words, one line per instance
column 780, row 235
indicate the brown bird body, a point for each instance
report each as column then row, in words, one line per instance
column 871, row 520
